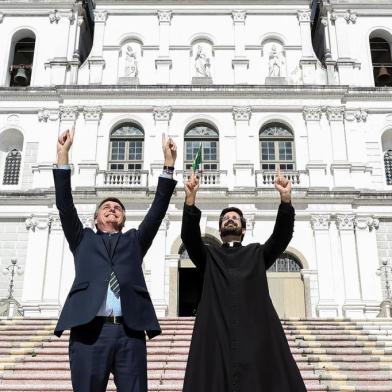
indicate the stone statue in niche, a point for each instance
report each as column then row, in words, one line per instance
column 202, row 64
column 130, row 68
column 275, row 63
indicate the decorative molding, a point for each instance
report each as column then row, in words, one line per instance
column 324, row 21
column 350, row 17
column 242, row 113
column 312, row 113
column 165, row 16
column 303, row 16
column 13, row 119
column 54, row 17
column 92, row 113
column 335, row 113
column 320, row 222
column 87, row 221
column 100, row 16
column 55, row 223
column 363, row 222
column 250, row 222
column 71, row 17
column 34, row 223
column 43, row 115
column 162, row 113
column 345, row 222
column 239, row 16
column 356, row 114
column 31, row 223
column 68, row 113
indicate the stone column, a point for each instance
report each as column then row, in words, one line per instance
column 355, row 124
column 345, row 63
column 86, row 147
column 96, row 61
column 163, row 63
column 38, row 226
column 243, row 167
column 173, row 263
column 308, row 60
column 156, row 259
column 311, row 292
column 340, row 167
column 240, row 63
column 51, row 287
column 366, row 242
column 329, row 62
column 327, row 306
column 316, row 166
column 162, row 116
column 353, row 305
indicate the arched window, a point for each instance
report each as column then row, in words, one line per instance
column 276, row 148
column 388, row 166
column 126, row 148
column 285, row 263
column 382, row 61
column 22, row 62
column 206, row 136
column 12, row 168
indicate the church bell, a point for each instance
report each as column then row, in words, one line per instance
column 384, row 77
column 21, row 77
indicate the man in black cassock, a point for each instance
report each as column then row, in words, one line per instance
column 238, row 343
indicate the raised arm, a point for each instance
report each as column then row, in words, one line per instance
column 284, row 225
column 190, row 229
column 72, row 226
column 151, row 222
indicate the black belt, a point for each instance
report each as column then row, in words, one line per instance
column 111, row 319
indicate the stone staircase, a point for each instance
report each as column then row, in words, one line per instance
column 332, row 355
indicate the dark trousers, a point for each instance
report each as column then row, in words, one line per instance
column 98, row 349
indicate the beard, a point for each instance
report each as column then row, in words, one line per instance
column 231, row 230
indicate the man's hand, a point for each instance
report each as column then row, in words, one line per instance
column 169, row 150
column 191, row 187
column 283, row 185
column 64, row 143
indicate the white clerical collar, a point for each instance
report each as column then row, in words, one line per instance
column 231, row 244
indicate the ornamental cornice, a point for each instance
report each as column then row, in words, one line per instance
column 92, row 113
column 303, row 16
column 68, row 113
column 162, row 113
column 100, row 16
column 320, row 222
column 164, row 16
column 312, row 113
column 345, row 222
column 335, row 113
column 239, row 16
column 242, row 113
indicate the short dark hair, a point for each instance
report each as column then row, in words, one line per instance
column 118, row 201
column 235, row 209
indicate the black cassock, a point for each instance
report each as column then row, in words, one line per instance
column 238, row 343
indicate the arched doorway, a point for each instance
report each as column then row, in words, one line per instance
column 190, row 282
column 286, row 286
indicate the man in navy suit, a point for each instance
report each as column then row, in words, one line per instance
column 108, row 308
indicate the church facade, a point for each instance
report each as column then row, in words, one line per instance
column 297, row 85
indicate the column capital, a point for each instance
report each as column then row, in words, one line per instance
column 54, row 16
column 356, row 114
column 320, row 222
column 100, row 16
column 345, row 222
column 162, row 113
column 312, row 113
column 92, row 113
column 165, row 223
column 38, row 222
column 239, row 16
column 55, row 223
column 303, row 16
column 68, row 113
column 242, row 113
column 350, row 17
column 250, row 221
column 335, row 113
column 43, row 115
column 165, row 16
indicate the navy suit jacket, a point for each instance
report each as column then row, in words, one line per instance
column 93, row 264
